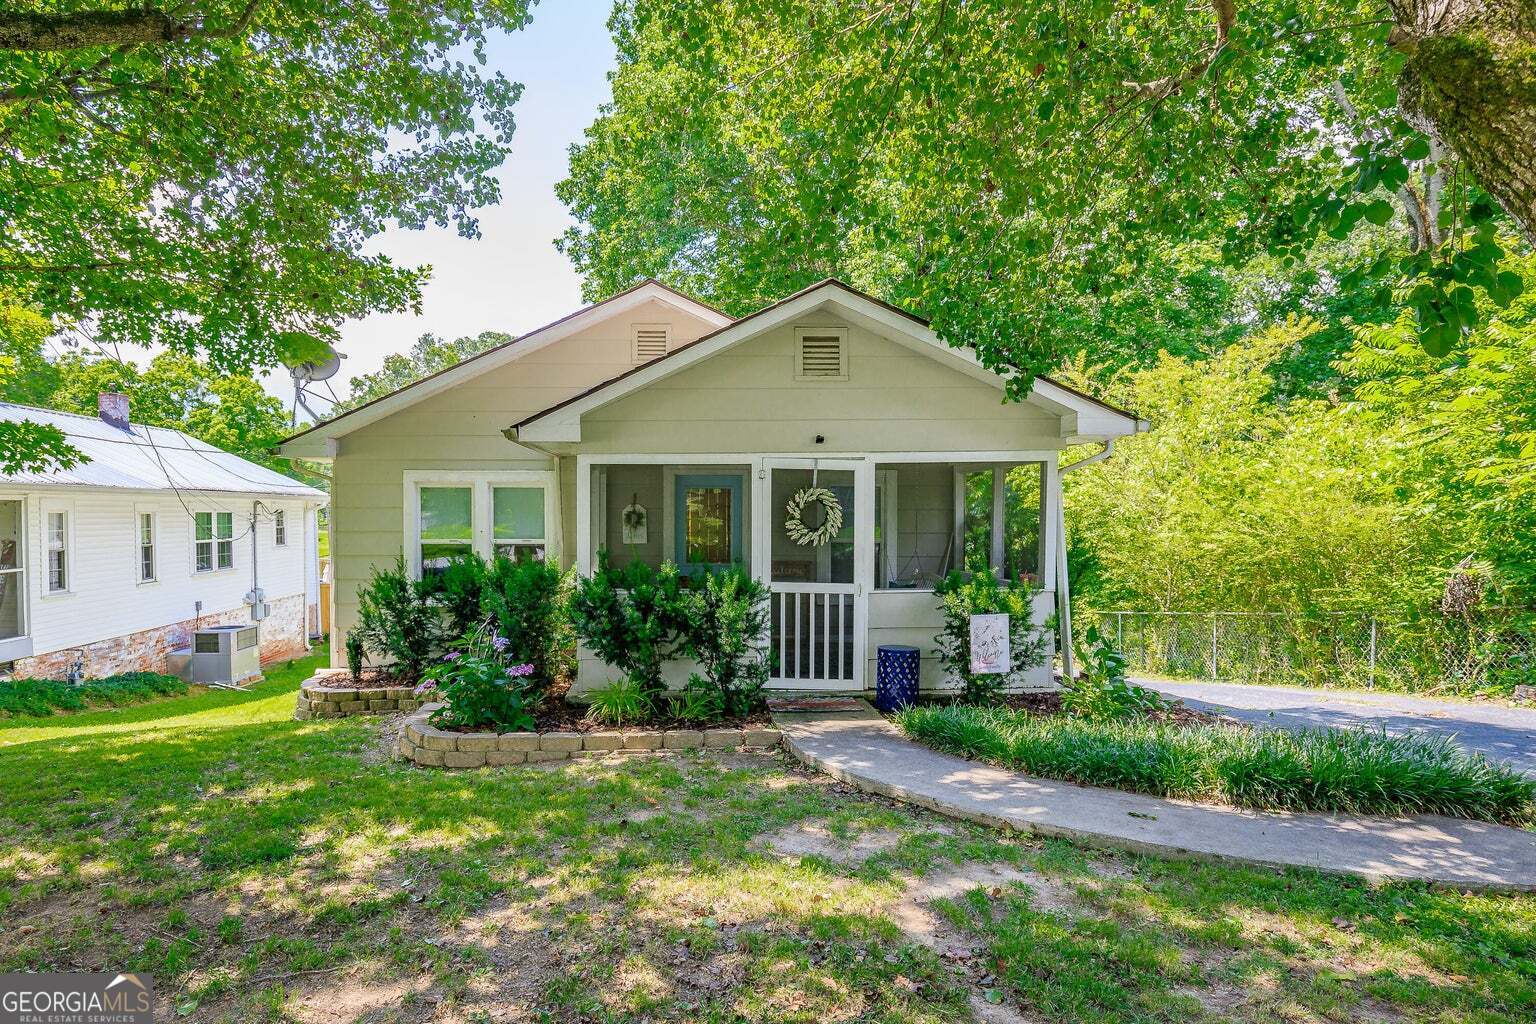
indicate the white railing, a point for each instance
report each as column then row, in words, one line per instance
column 812, row 633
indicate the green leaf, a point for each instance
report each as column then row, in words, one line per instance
column 1379, row 212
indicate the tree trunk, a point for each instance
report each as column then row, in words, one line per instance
column 85, row 29
column 1470, row 81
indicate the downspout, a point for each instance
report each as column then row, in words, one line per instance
column 1063, row 583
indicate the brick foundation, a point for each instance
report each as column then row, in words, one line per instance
column 283, row 636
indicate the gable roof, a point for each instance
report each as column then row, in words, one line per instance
column 147, row 459
column 561, row 422
column 539, row 337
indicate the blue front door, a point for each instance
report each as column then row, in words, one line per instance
column 707, row 521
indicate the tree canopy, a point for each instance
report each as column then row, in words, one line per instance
column 206, row 175
column 1017, row 171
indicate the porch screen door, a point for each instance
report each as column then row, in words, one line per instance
column 818, row 590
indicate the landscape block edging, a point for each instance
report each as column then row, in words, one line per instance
column 423, row 744
column 331, row 693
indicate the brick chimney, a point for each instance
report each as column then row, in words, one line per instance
column 112, row 407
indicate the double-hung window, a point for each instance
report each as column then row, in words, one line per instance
column 144, row 526
column 59, row 562
column 215, row 541
column 280, row 528
column 506, row 513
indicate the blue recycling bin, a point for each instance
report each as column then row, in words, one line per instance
column 896, row 673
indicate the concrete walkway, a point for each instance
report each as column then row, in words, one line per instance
column 1502, row 733
column 862, row 749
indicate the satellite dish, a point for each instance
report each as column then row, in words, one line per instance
column 325, row 369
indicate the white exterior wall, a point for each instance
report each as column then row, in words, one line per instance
column 105, row 598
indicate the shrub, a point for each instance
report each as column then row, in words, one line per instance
column 355, row 655
column 726, row 622
column 399, row 620
column 480, row 689
column 619, row 702
column 1328, row 770
column 1102, row 693
column 459, row 589
column 525, row 602
column 46, row 696
column 979, row 592
column 633, row 618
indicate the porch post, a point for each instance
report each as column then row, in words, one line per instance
column 1063, row 589
column 583, row 515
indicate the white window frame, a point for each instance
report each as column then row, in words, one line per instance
column 279, row 528
column 215, row 540
column 49, row 510
column 481, row 524
column 841, row 333
column 20, row 645
column 139, row 512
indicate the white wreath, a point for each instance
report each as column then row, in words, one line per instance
column 831, row 524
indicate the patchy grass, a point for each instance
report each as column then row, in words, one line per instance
column 273, row 870
column 1331, row 770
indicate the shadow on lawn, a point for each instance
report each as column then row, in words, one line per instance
column 227, row 859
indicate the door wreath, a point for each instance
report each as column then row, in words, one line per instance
column 794, row 516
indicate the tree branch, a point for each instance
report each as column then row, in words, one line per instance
column 1161, row 88
column 81, row 30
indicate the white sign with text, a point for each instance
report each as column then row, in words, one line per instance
column 989, row 645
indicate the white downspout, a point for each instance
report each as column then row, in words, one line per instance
column 1063, row 584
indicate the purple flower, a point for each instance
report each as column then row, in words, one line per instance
column 501, row 644
column 452, row 656
column 520, row 670
column 422, row 689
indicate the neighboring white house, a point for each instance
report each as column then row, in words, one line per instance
column 113, row 562
column 655, row 427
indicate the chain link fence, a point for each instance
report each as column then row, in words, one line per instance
column 1494, row 648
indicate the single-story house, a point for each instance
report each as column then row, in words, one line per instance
column 110, row 565
column 655, row 427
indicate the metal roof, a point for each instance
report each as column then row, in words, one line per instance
column 147, row 458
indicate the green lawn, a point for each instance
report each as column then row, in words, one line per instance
column 267, row 869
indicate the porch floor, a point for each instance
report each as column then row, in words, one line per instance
column 864, row 750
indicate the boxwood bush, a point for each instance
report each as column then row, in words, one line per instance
column 1328, row 770
column 46, row 696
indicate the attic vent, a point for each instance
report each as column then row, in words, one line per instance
column 651, row 341
column 821, row 353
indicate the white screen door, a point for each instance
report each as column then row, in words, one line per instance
column 818, row 591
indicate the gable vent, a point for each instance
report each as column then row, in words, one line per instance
column 821, row 354
column 651, row 341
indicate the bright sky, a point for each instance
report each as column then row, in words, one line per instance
column 511, row 278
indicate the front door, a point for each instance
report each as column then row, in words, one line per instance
column 815, row 574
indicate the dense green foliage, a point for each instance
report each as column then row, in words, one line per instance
column 1040, row 179
column 964, row 594
column 1335, row 770
column 727, row 614
column 634, row 618
column 1100, row 691
column 206, row 176
column 621, row 702
column 400, row 620
column 523, row 601
column 482, row 686
column 1371, row 501
column 45, row 696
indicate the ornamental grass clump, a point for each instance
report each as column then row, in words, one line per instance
column 1324, row 770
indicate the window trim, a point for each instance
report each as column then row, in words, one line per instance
column 67, row 510
column 736, row 483
column 139, row 512
column 215, row 540
column 279, row 528
column 480, row 508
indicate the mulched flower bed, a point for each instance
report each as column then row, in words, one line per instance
column 557, row 714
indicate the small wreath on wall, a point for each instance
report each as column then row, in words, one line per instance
column 831, row 516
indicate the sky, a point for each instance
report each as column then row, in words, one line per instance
column 511, row 278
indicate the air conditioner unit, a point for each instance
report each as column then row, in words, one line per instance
column 224, row 654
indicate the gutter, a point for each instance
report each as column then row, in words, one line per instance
column 511, row 434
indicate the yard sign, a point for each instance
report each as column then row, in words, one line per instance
column 989, row 645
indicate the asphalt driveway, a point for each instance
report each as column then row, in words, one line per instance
column 1500, row 732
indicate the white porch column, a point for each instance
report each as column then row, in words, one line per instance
column 584, row 515
column 1063, row 589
